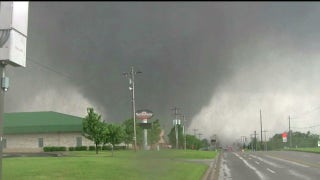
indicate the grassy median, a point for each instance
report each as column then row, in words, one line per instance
column 164, row 164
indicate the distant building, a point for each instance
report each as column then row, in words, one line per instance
column 31, row 131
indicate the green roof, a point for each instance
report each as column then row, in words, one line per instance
column 40, row 122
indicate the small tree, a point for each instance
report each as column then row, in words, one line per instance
column 193, row 142
column 154, row 132
column 114, row 134
column 172, row 136
column 128, row 131
column 93, row 128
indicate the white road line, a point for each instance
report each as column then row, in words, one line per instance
column 291, row 162
column 298, row 175
column 257, row 162
column 261, row 176
column 266, row 161
column 271, row 171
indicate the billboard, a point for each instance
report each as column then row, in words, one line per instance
column 144, row 114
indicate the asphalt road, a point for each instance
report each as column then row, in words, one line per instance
column 271, row 165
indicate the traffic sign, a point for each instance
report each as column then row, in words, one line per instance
column 284, row 137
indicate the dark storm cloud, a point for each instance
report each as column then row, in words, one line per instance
column 95, row 42
column 187, row 51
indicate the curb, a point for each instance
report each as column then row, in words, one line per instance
column 212, row 172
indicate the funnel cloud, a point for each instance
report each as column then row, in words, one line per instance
column 219, row 62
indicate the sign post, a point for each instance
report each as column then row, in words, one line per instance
column 284, row 137
column 144, row 115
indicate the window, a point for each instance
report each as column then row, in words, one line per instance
column 40, row 142
column 79, row 141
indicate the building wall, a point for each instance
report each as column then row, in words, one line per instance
column 30, row 142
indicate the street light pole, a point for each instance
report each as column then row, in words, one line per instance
column 130, row 75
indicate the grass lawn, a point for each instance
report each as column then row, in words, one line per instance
column 164, row 164
column 313, row 150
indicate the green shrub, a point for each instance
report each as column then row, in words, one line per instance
column 54, row 148
column 93, row 148
column 71, row 148
column 80, row 148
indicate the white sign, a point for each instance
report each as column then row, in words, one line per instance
column 284, row 139
column 144, row 114
column 176, row 121
column 319, row 143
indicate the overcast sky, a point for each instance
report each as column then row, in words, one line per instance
column 219, row 62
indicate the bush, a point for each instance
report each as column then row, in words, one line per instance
column 80, row 148
column 71, row 148
column 92, row 148
column 54, row 148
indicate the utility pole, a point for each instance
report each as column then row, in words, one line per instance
column 243, row 141
column 255, row 141
column 290, row 135
column 265, row 141
column 175, row 125
column 130, row 76
column 2, row 92
column 13, row 49
column 261, row 142
column 184, row 132
column 252, row 141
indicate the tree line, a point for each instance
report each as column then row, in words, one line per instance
column 298, row 139
column 102, row 133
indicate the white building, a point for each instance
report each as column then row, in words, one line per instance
column 31, row 131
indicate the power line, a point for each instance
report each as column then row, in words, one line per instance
column 66, row 76
column 49, row 68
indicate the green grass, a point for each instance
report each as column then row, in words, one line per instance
column 313, row 150
column 165, row 164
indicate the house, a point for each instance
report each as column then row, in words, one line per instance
column 31, row 131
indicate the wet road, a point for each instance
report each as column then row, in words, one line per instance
column 272, row 165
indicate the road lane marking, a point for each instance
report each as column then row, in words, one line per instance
column 266, row 161
column 257, row 162
column 261, row 176
column 288, row 161
column 297, row 162
column 273, row 172
column 298, row 175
